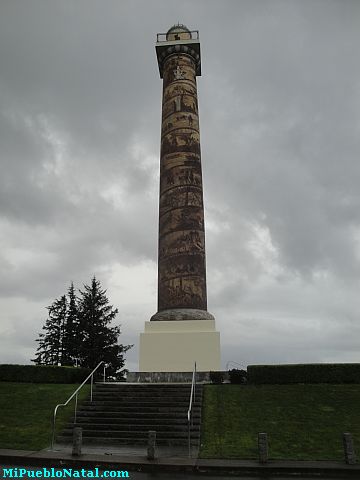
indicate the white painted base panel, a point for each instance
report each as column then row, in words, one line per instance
column 174, row 346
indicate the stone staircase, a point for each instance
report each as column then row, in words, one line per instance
column 123, row 414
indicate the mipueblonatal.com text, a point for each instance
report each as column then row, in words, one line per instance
column 43, row 472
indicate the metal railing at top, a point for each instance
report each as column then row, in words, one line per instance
column 192, row 400
column 75, row 394
column 162, row 37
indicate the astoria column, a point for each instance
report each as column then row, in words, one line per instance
column 181, row 253
column 182, row 321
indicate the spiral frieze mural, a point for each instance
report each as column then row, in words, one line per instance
column 182, row 272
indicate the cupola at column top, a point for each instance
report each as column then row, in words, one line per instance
column 178, row 39
column 178, row 32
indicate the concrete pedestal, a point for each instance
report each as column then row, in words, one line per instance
column 174, row 346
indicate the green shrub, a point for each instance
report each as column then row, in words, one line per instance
column 237, row 376
column 216, row 377
column 42, row 374
column 304, row 373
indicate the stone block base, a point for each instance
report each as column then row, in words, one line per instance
column 174, row 346
column 166, row 377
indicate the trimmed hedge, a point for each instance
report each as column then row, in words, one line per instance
column 237, row 376
column 304, row 373
column 42, row 374
column 216, row 377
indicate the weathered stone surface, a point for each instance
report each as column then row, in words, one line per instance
column 181, row 261
column 182, row 314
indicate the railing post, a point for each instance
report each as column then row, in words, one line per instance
column 151, row 445
column 53, row 432
column 76, row 402
column 349, row 451
column 91, row 387
column 195, row 379
column 77, row 441
column 190, row 416
column 189, row 440
column 263, row 447
column 104, row 372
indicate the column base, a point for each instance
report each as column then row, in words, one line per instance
column 181, row 314
column 174, row 346
column 166, row 377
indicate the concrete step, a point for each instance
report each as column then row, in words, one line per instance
column 136, row 404
column 146, row 388
column 170, row 415
column 128, row 434
column 185, row 396
column 120, row 396
column 108, row 428
column 111, row 385
column 139, row 419
column 134, row 410
column 142, row 401
column 128, row 441
column 124, row 414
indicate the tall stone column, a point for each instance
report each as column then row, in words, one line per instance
column 181, row 255
column 182, row 332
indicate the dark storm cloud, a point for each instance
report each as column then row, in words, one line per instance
column 79, row 61
column 80, row 99
column 290, row 124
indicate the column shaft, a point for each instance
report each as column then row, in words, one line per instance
column 181, row 263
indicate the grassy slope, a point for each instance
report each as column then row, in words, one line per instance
column 26, row 411
column 303, row 422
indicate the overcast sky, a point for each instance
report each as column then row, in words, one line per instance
column 279, row 100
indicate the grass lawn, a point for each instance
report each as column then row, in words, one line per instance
column 303, row 422
column 26, row 412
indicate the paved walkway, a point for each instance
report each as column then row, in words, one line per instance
column 134, row 451
column 170, row 460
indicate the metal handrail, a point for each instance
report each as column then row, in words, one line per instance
column 76, row 400
column 189, row 413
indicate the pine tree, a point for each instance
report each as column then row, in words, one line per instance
column 71, row 338
column 51, row 346
column 80, row 328
column 99, row 339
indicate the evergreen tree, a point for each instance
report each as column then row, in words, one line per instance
column 71, row 329
column 80, row 328
column 99, row 338
column 51, row 346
